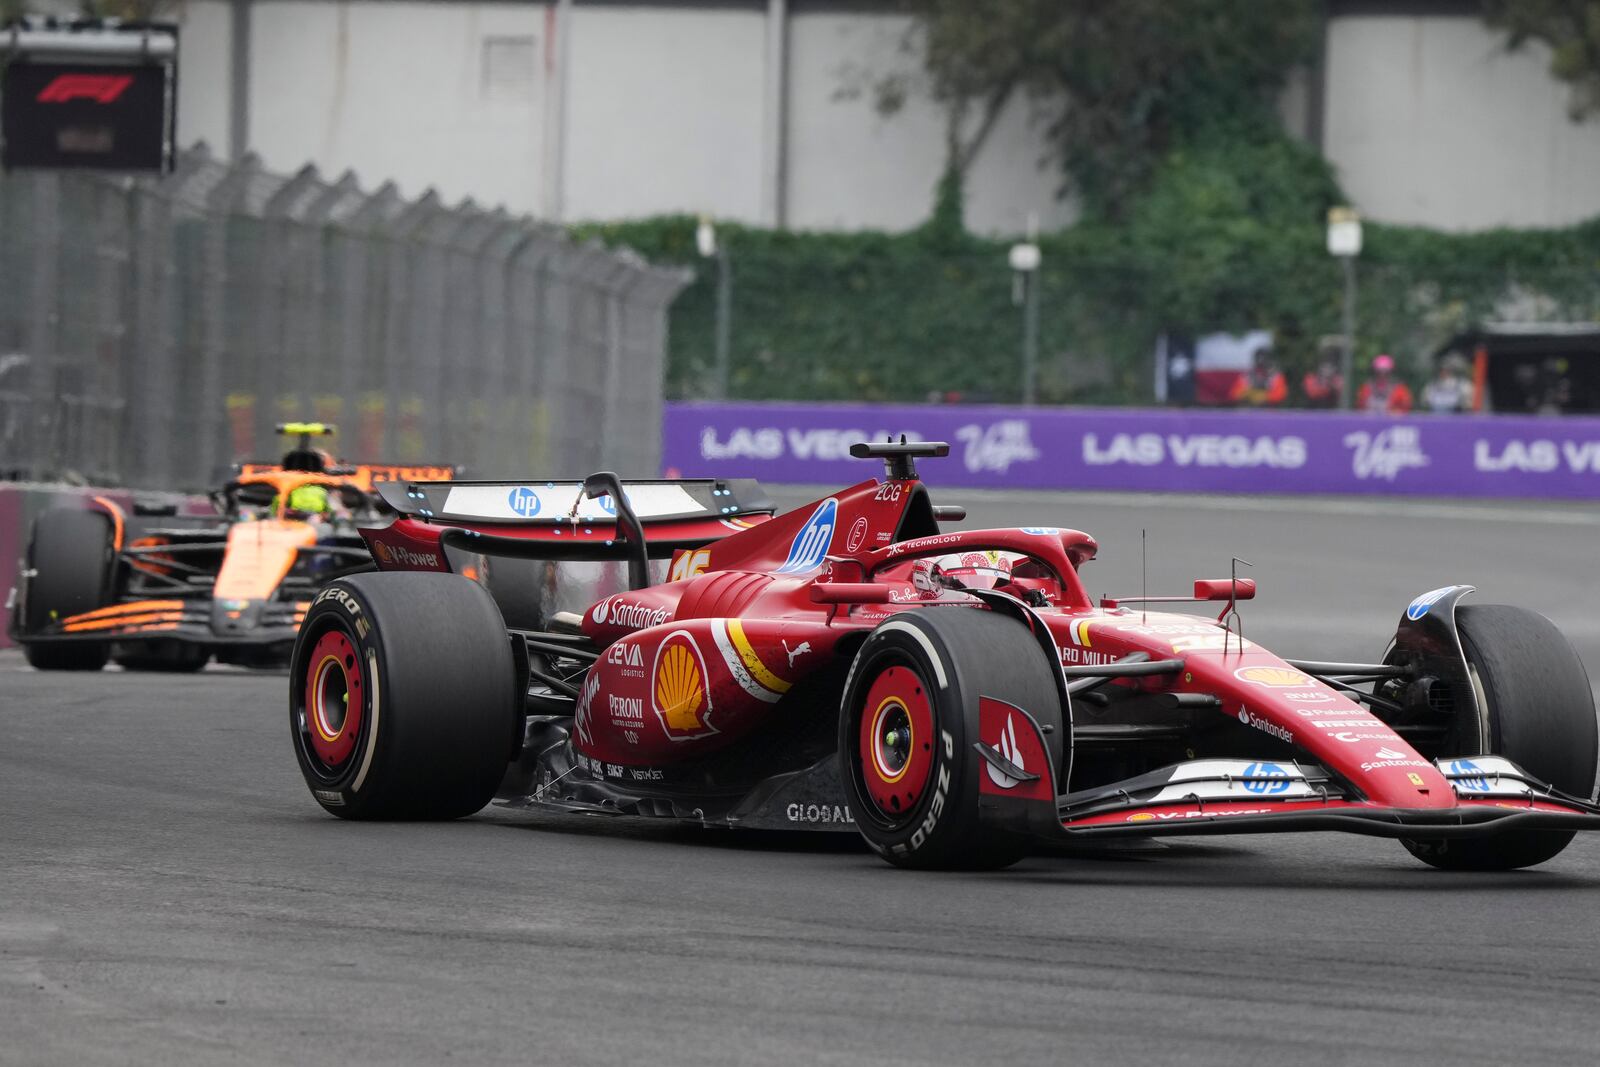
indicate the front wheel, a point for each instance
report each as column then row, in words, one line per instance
column 403, row 697
column 69, row 563
column 908, row 723
column 1538, row 712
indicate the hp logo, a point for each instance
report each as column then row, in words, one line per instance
column 1466, row 766
column 524, row 501
column 811, row 543
column 1266, row 778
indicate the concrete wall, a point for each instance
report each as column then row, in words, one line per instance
column 850, row 167
column 1431, row 122
column 443, row 95
column 1428, row 120
column 666, row 112
column 205, row 42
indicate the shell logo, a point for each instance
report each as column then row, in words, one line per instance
column 381, row 550
column 1273, row 677
column 1142, row 816
column 679, row 691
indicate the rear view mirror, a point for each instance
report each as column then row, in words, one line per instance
column 1224, row 588
column 256, row 494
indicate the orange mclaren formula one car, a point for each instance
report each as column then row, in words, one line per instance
column 156, row 590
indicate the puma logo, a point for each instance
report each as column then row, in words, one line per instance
column 801, row 649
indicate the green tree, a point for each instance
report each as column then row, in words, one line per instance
column 1119, row 84
column 1571, row 28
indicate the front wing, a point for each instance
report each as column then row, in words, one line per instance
column 196, row 620
column 1230, row 796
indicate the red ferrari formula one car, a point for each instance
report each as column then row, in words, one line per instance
column 952, row 696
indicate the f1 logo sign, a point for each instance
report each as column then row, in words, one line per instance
column 81, row 114
column 101, row 88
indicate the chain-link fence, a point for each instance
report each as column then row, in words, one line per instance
column 153, row 331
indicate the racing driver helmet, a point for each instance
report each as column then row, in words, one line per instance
column 973, row 570
column 310, row 499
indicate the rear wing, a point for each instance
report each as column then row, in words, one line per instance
column 364, row 475
column 562, row 520
column 556, row 504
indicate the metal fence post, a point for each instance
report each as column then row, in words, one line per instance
column 530, row 342
column 149, row 355
column 44, row 314
column 644, row 335
column 372, row 346
column 298, row 283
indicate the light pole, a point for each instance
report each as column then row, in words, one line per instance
column 1025, row 260
column 1344, row 242
column 706, row 243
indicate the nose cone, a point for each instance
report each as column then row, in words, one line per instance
column 233, row 617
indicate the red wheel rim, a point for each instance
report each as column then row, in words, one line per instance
column 334, row 699
column 896, row 741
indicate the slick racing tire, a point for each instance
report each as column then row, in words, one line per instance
column 1538, row 712
column 906, row 756
column 403, row 697
column 517, row 586
column 70, row 556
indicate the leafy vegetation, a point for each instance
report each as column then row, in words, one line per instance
column 1120, row 84
column 1199, row 214
column 1571, row 29
column 1226, row 239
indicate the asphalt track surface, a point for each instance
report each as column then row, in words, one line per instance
column 170, row 893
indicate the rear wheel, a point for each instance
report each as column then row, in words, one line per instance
column 517, row 586
column 69, row 555
column 908, row 723
column 1538, row 712
column 402, row 697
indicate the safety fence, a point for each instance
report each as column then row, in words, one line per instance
column 151, row 332
column 1150, row 450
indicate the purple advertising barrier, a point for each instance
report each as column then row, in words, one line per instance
column 1151, row 450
